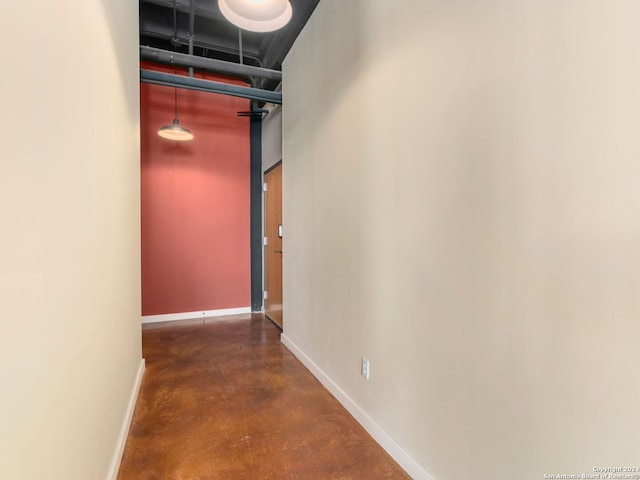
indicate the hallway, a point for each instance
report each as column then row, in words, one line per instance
column 227, row 401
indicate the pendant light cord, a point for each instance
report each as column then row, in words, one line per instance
column 175, row 23
column 175, row 102
column 175, row 48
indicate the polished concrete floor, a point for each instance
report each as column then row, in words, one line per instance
column 227, row 401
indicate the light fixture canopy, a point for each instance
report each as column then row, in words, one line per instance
column 176, row 132
column 257, row 15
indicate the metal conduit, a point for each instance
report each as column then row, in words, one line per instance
column 170, row 80
column 158, row 55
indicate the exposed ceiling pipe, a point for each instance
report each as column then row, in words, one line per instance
column 158, row 55
column 184, row 8
column 170, row 80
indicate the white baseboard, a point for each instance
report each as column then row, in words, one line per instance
column 172, row 317
column 392, row 448
column 126, row 423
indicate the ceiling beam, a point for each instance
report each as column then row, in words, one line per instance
column 170, row 80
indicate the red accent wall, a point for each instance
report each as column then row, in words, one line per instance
column 195, row 201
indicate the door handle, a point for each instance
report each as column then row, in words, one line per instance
column 277, row 251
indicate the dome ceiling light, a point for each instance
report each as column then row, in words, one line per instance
column 257, row 15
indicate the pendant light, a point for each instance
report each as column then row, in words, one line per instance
column 175, row 131
column 257, row 15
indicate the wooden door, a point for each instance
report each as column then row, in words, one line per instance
column 273, row 247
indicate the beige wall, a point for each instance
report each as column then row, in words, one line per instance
column 462, row 207
column 272, row 138
column 69, row 235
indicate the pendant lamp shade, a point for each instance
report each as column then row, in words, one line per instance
column 257, row 15
column 176, row 132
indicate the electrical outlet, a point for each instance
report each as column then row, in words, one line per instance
column 364, row 370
